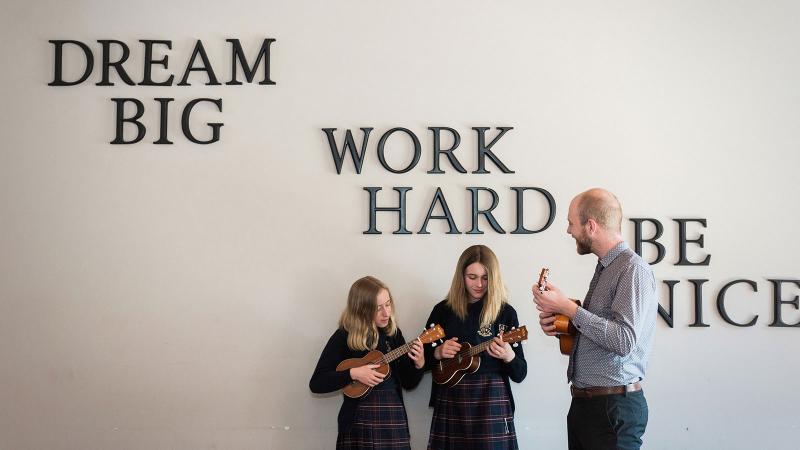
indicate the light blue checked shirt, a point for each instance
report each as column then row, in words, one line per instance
column 616, row 322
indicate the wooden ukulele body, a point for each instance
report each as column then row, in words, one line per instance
column 357, row 389
column 567, row 333
column 457, row 367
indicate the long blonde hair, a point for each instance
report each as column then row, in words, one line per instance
column 495, row 296
column 358, row 318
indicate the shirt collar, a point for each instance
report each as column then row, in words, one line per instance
column 613, row 253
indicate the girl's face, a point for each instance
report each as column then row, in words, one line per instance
column 476, row 280
column 384, row 309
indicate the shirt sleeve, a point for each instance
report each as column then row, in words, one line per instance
column 326, row 378
column 617, row 334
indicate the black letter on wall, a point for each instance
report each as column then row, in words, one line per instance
column 162, row 137
column 349, row 146
column 776, row 297
column 147, row 79
column 486, row 150
column 437, row 150
column 721, row 303
column 401, row 210
column 668, row 316
column 187, row 111
column 682, row 241
column 58, row 77
column 134, row 120
column 551, row 202
column 207, row 68
column 117, row 65
column 417, row 150
column 698, row 304
column 653, row 240
column 486, row 212
column 439, row 198
column 249, row 72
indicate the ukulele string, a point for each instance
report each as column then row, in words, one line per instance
column 470, row 352
column 394, row 354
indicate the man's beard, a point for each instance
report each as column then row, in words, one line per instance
column 584, row 245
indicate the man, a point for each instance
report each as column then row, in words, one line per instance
column 615, row 324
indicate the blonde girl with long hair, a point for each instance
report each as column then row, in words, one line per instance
column 478, row 412
column 377, row 420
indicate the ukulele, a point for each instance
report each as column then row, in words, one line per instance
column 357, row 389
column 567, row 334
column 450, row 371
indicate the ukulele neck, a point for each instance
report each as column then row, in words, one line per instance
column 396, row 353
column 478, row 349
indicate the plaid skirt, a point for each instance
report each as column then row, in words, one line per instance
column 474, row 414
column 380, row 422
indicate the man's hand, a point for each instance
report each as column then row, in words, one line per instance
column 553, row 301
column 546, row 322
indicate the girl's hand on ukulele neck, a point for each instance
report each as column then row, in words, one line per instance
column 417, row 354
column 501, row 350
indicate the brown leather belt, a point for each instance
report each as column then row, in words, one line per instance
column 599, row 391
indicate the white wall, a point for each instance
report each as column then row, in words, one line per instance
column 177, row 297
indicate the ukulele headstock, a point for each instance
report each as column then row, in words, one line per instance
column 543, row 276
column 516, row 335
column 433, row 333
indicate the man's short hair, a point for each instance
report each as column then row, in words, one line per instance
column 603, row 207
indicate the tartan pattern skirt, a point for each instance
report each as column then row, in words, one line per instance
column 380, row 423
column 474, row 414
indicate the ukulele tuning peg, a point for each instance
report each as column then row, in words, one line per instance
column 434, row 344
column 431, row 325
column 513, row 328
column 515, row 344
